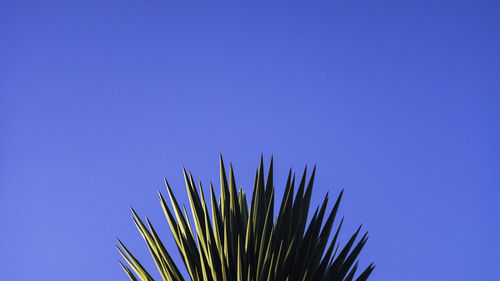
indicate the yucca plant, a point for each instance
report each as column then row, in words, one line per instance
column 238, row 243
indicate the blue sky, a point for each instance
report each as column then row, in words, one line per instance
column 397, row 102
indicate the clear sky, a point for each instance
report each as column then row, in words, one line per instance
column 398, row 102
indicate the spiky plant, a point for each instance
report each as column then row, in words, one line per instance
column 238, row 243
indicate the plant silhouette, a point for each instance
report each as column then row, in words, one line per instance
column 237, row 242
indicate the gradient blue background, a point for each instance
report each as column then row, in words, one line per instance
column 396, row 101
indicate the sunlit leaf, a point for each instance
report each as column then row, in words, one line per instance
column 233, row 241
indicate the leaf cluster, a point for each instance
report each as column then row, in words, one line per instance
column 234, row 241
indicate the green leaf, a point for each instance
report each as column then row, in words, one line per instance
column 240, row 242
